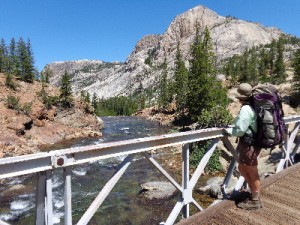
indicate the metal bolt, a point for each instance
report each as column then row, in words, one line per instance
column 60, row 161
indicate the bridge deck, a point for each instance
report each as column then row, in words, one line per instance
column 280, row 198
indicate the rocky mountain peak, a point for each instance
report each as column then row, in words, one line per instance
column 229, row 35
column 184, row 24
column 146, row 42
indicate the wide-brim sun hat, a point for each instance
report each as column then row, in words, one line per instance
column 244, row 91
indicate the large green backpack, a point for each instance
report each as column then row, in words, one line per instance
column 267, row 104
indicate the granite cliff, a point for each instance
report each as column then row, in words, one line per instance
column 229, row 35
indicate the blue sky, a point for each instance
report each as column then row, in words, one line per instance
column 108, row 30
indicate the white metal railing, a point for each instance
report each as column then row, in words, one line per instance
column 44, row 163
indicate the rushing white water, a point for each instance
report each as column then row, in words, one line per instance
column 80, row 171
column 87, row 179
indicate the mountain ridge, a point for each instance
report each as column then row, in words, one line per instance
column 229, row 35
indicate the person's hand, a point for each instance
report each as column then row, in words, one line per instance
column 225, row 132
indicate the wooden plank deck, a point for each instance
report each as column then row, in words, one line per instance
column 280, row 196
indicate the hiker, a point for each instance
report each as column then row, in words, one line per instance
column 244, row 125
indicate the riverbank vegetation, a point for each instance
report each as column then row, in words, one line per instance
column 16, row 59
column 17, row 63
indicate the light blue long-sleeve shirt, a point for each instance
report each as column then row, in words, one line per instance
column 246, row 118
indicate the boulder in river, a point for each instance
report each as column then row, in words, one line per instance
column 213, row 186
column 157, row 190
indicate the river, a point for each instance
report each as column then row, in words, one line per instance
column 124, row 205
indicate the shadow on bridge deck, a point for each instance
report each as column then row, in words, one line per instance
column 280, row 198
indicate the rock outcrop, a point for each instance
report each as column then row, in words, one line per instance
column 141, row 69
column 23, row 132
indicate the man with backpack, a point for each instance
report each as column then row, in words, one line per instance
column 245, row 127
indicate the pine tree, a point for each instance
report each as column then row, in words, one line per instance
column 66, row 91
column 9, row 81
column 47, row 73
column 279, row 70
column 196, row 78
column 181, row 81
column 141, row 99
column 207, row 99
column 12, row 64
column 87, row 98
column 24, row 65
column 262, row 65
column 94, row 101
column 82, row 95
column 232, row 69
column 163, row 98
column 3, row 56
column 296, row 79
column 29, row 64
column 236, row 69
column 245, row 67
column 21, row 53
column 253, row 67
column 271, row 57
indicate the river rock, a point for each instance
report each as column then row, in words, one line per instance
column 14, row 191
column 213, row 186
column 157, row 189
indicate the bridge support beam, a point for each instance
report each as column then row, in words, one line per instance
column 105, row 191
column 187, row 195
column 67, row 195
column 288, row 149
column 44, row 207
column 189, row 184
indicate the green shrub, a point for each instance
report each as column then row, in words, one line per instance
column 148, row 61
column 10, row 83
column 26, row 108
column 198, row 150
column 12, row 102
column 48, row 101
column 116, row 106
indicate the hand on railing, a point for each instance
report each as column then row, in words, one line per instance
column 225, row 132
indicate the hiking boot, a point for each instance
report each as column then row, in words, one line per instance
column 250, row 204
column 241, row 196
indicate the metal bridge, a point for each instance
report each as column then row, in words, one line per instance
column 44, row 163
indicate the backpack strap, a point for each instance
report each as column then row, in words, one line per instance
column 246, row 138
column 250, row 103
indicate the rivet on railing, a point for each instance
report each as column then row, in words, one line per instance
column 60, row 161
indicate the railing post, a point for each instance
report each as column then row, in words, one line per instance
column 49, row 198
column 44, row 207
column 229, row 147
column 67, row 195
column 294, row 140
column 297, row 144
column 185, row 180
column 288, row 150
column 227, row 177
column 40, row 199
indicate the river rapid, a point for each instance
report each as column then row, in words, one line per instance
column 124, row 205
